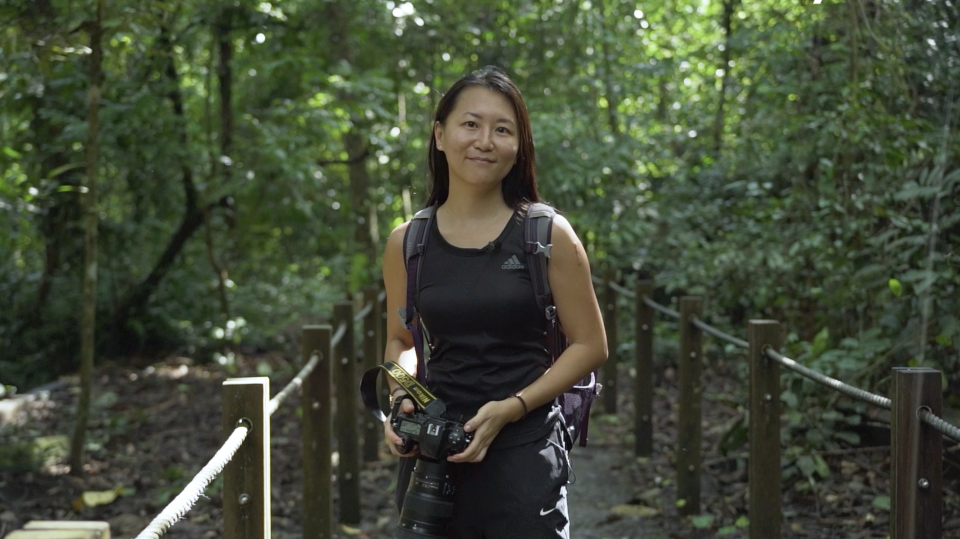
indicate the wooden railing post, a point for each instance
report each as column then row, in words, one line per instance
column 348, row 402
column 372, row 430
column 764, row 465
column 246, row 478
column 643, row 384
column 916, row 478
column 610, row 324
column 316, row 400
column 689, row 414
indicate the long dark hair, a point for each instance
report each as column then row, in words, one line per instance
column 519, row 186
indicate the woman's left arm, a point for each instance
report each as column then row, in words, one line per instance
column 569, row 275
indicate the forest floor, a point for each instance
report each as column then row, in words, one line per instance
column 154, row 427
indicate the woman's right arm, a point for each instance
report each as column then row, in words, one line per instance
column 399, row 341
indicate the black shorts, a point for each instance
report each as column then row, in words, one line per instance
column 517, row 492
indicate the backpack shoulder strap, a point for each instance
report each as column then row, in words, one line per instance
column 537, row 229
column 414, row 245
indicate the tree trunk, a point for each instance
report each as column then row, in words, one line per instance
column 91, row 215
column 718, row 124
column 193, row 216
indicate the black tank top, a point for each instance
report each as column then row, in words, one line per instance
column 486, row 333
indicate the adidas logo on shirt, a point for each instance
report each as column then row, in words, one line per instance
column 512, row 263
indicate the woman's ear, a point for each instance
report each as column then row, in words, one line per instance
column 438, row 135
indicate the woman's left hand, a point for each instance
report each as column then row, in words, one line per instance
column 490, row 418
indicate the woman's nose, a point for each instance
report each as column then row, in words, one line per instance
column 485, row 139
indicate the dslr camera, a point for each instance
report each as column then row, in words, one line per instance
column 428, row 503
column 437, row 437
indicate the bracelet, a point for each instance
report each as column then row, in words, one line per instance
column 522, row 403
column 394, row 390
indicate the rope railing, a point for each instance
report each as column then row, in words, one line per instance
column 341, row 331
column 657, row 307
column 719, row 334
column 938, row 423
column 837, row 385
column 294, row 384
column 184, row 501
column 363, row 312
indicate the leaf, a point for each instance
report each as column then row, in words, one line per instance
column 823, row 470
column 943, row 340
column 94, row 498
column 851, row 438
column 806, row 465
column 10, row 152
column 680, row 503
column 895, row 287
column 742, row 522
column 634, row 511
column 882, row 502
column 65, row 168
column 702, row 521
column 350, row 530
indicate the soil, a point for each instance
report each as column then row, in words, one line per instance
column 154, row 427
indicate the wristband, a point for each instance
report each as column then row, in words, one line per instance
column 522, row 403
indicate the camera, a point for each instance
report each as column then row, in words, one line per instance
column 428, row 503
column 436, row 437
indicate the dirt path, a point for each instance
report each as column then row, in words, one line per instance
column 601, row 499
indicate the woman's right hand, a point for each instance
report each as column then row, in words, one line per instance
column 393, row 441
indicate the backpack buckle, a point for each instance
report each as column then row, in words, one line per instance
column 539, row 248
column 551, row 312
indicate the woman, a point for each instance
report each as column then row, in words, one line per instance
column 488, row 362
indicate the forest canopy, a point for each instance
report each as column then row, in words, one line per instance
column 785, row 159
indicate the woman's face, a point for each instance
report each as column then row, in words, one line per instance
column 479, row 137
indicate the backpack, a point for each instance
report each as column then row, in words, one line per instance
column 537, row 227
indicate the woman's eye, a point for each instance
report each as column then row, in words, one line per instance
column 471, row 124
column 503, row 130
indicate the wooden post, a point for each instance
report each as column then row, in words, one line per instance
column 348, row 402
column 643, row 384
column 372, row 430
column 764, row 466
column 916, row 479
column 610, row 324
column 689, row 414
column 246, row 478
column 316, row 400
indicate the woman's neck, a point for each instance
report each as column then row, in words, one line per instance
column 465, row 205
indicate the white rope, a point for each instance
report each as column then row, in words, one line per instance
column 341, row 330
column 294, row 384
column 175, row 510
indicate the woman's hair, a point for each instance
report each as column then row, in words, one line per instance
column 519, row 186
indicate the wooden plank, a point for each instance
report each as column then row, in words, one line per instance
column 348, row 403
column 53, row 534
column 246, row 478
column 316, row 400
column 764, row 465
column 100, row 529
column 643, row 384
column 372, row 429
column 610, row 325
column 916, row 479
column 689, row 415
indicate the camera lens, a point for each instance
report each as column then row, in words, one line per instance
column 428, row 506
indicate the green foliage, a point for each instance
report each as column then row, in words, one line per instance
column 823, row 193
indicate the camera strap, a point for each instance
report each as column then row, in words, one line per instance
column 420, row 395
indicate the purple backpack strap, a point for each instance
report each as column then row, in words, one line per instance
column 414, row 245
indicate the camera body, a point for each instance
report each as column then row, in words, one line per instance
column 436, row 437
